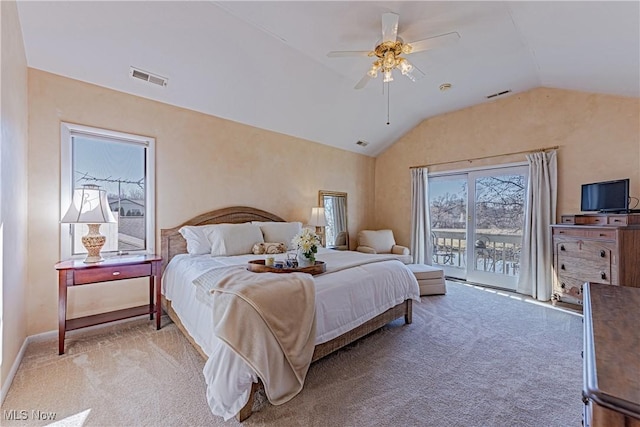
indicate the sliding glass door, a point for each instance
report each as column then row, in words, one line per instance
column 477, row 220
column 448, row 211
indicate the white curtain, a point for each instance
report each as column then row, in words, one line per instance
column 420, row 224
column 339, row 214
column 537, row 252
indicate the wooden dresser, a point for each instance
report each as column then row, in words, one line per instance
column 611, row 389
column 598, row 248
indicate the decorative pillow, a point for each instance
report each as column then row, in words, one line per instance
column 233, row 239
column 279, row 231
column 196, row 237
column 269, row 248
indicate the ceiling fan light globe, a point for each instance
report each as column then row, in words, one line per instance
column 373, row 73
column 388, row 77
column 389, row 60
column 405, row 66
column 406, row 49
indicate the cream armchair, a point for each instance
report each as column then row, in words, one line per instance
column 382, row 242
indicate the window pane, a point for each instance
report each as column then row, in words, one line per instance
column 448, row 213
column 330, row 238
column 120, row 168
column 498, row 223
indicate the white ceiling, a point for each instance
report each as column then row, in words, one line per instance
column 264, row 63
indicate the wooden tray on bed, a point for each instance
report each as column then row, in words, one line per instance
column 257, row 266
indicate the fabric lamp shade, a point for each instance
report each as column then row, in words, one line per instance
column 89, row 206
column 317, row 217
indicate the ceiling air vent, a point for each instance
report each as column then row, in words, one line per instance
column 504, row 92
column 148, row 77
column 362, row 143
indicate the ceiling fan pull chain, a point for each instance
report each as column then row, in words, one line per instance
column 387, row 104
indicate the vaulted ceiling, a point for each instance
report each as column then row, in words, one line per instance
column 265, row 63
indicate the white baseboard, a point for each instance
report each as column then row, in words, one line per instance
column 12, row 372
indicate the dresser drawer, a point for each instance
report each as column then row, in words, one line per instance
column 568, row 287
column 586, row 270
column 599, row 233
column 92, row 275
column 590, row 250
column 592, row 220
column 618, row 220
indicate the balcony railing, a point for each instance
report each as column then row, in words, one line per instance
column 494, row 251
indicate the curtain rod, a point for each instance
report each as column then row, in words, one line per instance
column 539, row 150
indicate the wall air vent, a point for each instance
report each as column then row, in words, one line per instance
column 136, row 73
column 362, row 143
column 504, row 92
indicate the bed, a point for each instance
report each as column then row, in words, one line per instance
column 350, row 302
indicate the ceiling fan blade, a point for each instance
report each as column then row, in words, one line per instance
column 415, row 74
column 434, row 42
column 363, row 82
column 344, row 53
column 389, row 27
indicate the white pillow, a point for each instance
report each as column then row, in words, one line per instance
column 196, row 237
column 233, row 239
column 279, row 231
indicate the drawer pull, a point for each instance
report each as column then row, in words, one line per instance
column 560, row 232
column 603, row 254
column 562, row 285
column 116, row 273
column 562, row 267
column 617, row 220
column 603, row 275
column 602, row 234
column 562, row 248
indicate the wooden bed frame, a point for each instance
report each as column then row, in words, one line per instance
column 172, row 243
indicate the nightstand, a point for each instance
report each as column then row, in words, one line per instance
column 76, row 273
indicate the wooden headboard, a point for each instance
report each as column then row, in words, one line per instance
column 172, row 243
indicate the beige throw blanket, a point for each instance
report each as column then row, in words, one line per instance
column 342, row 260
column 269, row 320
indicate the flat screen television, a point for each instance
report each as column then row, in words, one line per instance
column 609, row 196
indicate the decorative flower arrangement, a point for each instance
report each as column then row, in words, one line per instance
column 307, row 242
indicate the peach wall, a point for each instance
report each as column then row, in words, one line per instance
column 13, row 189
column 598, row 136
column 202, row 163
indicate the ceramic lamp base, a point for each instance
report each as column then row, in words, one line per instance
column 93, row 242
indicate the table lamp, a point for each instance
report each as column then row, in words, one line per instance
column 319, row 221
column 90, row 206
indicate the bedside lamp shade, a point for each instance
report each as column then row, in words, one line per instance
column 90, row 206
column 319, row 221
column 317, row 217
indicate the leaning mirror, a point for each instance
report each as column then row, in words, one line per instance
column 335, row 210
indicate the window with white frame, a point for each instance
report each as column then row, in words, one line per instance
column 121, row 164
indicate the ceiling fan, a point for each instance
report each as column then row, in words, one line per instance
column 388, row 50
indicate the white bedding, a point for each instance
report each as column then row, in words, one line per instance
column 344, row 300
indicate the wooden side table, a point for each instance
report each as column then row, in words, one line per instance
column 76, row 272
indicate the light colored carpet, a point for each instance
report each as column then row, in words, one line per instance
column 471, row 358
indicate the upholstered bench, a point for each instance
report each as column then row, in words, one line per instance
column 430, row 279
